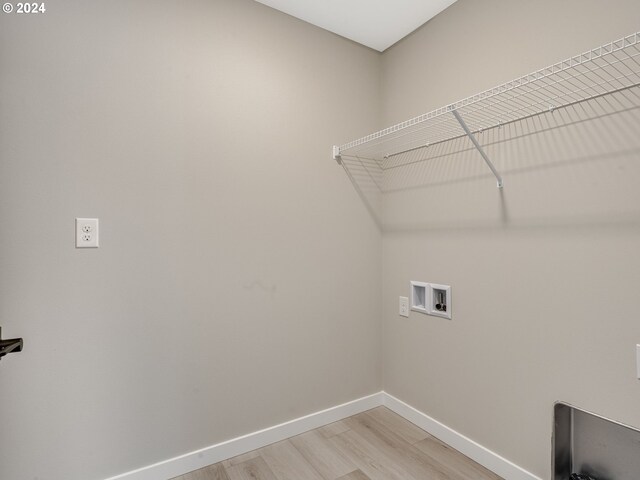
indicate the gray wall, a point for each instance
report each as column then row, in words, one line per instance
column 545, row 274
column 238, row 280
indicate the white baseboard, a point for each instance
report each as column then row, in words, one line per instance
column 485, row 457
column 216, row 453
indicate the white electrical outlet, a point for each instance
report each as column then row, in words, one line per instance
column 404, row 306
column 87, row 233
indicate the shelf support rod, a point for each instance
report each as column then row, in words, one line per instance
column 477, row 145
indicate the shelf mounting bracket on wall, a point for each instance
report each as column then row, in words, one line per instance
column 336, row 154
column 476, row 144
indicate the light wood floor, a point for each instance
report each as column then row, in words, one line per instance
column 374, row 445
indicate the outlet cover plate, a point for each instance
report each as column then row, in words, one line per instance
column 403, row 310
column 87, row 233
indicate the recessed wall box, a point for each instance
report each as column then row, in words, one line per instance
column 419, row 297
column 439, row 300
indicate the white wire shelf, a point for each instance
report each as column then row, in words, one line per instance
column 610, row 68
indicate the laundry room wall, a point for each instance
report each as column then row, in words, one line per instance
column 237, row 283
column 545, row 272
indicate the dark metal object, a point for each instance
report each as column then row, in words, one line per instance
column 587, row 446
column 441, row 306
column 10, row 345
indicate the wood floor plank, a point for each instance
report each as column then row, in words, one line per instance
column 322, row 455
column 403, row 428
column 253, row 469
column 335, row 428
column 355, row 475
column 212, row 472
column 287, row 463
column 240, row 458
column 444, row 462
column 462, row 465
column 415, row 462
column 374, row 463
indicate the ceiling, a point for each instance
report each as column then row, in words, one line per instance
column 378, row 24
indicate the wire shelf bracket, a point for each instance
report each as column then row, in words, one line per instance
column 477, row 145
column 602, row 71
column 336, row 154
